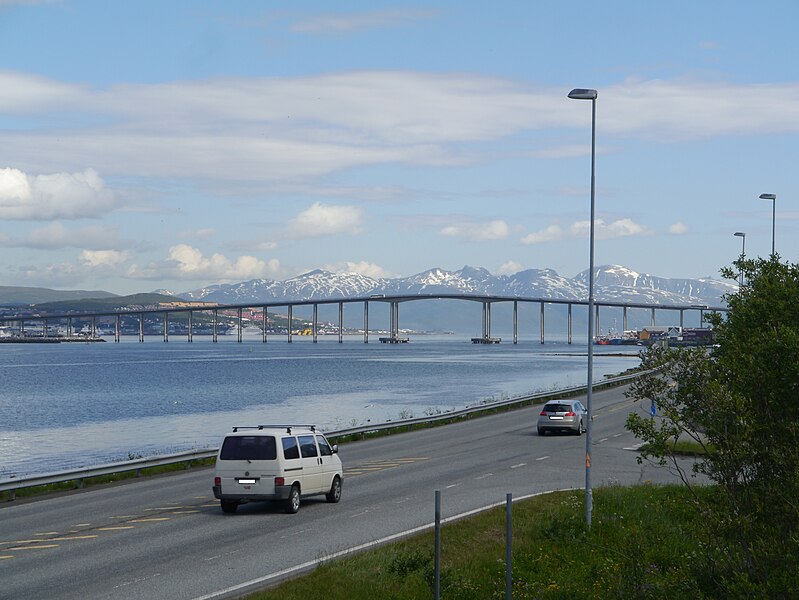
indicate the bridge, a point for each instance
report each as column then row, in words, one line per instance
column 115, row 316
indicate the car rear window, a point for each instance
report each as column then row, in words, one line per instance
column 556, row 408
column 250, row 447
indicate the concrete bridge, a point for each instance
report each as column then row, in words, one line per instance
column 45, row 321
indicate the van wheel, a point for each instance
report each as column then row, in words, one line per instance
column 229, row 507
column 334, row 495
column 293, row 502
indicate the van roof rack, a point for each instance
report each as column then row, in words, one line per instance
column 286, row 427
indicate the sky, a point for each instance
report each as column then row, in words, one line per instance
column 171, row 145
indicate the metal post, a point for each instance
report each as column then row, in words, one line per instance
column 515, row 321
column 437, row 559
column 508, row 546
column 340, row 322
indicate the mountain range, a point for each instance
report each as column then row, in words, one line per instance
column 613, row 283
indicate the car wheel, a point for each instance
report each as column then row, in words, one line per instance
column 228, row 506
column 542, row 431
column 293, row 501
column 334, row 495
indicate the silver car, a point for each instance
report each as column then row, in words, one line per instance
column 563, row 415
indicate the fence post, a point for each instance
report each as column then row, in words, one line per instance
column 437, row 560
column 508, row 546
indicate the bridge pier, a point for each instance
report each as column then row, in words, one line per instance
column 263, row 323
column 542, row 322
column 315, row 324
column 340, row 322
column 141, row 327
column 288, row 327
column 166, row 326
column 117, row 329
column 365, row 321
column 569, row 319
column 515, row 322
column 213, row 330
column 239, row 326
column 624, row 319
column 190, row 333
column 653, row 317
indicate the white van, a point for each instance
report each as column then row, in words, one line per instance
column 276, row 462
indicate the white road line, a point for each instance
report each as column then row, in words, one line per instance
column 602, row 440
column 519, row 465
column 451, row 486
column 542, row 458
column 617, row 435
column 483, row 476
column 397, row 536
column 634, row 447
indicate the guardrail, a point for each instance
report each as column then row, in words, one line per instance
column 11, row 485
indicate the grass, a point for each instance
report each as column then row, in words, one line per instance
column 642, row 544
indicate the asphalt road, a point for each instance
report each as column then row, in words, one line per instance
column 166, row 537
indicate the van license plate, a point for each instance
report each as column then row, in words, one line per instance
column 247, row 481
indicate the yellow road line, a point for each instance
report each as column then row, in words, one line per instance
column 184, row 512
column 5, row 557
column 116, row 528
column 149, row 520
column 47, row 533
column 123, row 517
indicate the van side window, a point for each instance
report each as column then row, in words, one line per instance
column 251, row 447
column 324, row 447
column 290, row 448
column 308, row 446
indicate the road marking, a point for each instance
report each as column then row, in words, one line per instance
column 137, row 580
column 360, row 514
column 116, row 528
column 382, row 541
column 82, row 524
column 602, row 440
column 166, row 508
column 200, row 497
column 519, row 465
column 542, row 458
column 47, row 533
column 184, row 512
column 634, row 447
column 452, row 486
column 40, row 547
column 5, row 557
column 55, row 539
column 151, row 519
column 123, row 517
column 483, row 476
column 617, row 435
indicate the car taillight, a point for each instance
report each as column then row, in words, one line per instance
column 543, row 413
column 570, row 413
column 217, row 481
column 280, row 481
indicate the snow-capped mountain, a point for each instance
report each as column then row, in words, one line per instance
column 613, row 283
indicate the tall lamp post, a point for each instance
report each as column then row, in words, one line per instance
column 773, row 198
column 584, row 94
column 742, row 235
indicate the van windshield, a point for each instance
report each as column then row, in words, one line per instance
column 250, row 447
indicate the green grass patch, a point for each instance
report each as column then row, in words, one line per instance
column 642, row 544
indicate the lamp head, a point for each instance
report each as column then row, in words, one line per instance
column 582, row 94
column 739, row 234
column 768, row 196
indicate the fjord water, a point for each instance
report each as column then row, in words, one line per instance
column 68, row 405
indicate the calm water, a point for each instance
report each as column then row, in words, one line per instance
column 70, row 405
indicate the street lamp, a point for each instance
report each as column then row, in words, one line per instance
column 742, row 235
column 583, row 94
column 773, row 198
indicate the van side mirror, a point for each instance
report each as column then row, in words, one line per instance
column 335, row 448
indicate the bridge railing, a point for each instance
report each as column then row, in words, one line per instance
column 13, row 484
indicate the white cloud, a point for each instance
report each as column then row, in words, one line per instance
column 292, row 128
column 103, row 258
column 509, row 268
column 54, row 196
column 548, row 234
column 363, row 267
column 325, row 219
column 187, row 262
column 345, row 23
column 199, row 233
column 491, row 230
column 580, row 229
column 678, row 228
column 55, row 235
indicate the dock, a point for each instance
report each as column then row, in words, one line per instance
column 486, row 340
column 394, row 340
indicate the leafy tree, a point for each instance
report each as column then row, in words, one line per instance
column 740, row 402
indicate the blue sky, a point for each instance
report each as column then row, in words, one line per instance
column 175, row 144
